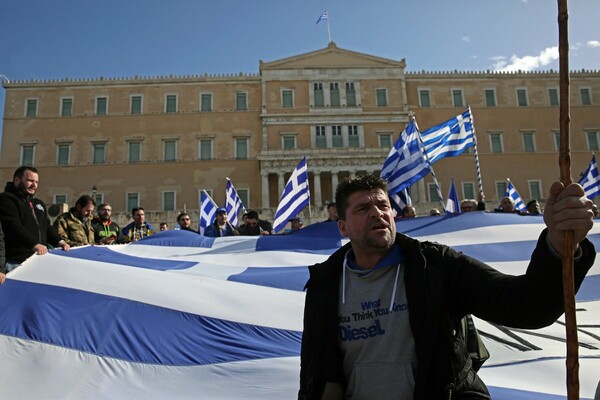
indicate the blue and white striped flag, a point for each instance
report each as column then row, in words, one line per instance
column 177, row 315
column 323, row 17
column 400, row 200
column 233, row 203
column 208, row 209
column 295, row 196
column 514, row 195
column 590, row 179
column 406, row 163
column 449, row 138
column 453, row 205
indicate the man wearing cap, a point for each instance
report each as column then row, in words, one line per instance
column 221, row 226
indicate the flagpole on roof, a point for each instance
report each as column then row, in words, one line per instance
column 564, row 161
column 328, row 28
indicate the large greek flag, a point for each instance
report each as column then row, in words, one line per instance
column 179, row 316
column 449, row 138
column 295, row 196
column 590, row 180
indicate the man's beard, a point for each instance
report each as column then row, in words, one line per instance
column 23, row 189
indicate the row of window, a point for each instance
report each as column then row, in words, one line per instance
column 171, row 104
column 490, row 99
column 469, row 190
column 132, row 199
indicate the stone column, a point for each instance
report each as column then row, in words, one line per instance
column 265, row 189
column 280, row 184
column 334, row 183
column 317, row 188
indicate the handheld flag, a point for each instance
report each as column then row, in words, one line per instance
column 294, row 198
column 590, row 180
column 406, row 163
column 233, row 203
column 453, row 205
column 208, row 209
column 400, row 200
column 449, row 138
column 514, row 195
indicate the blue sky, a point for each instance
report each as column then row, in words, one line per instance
column 42, row 39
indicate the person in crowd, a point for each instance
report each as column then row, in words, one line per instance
column 481, row 201
column 296, row 224
column 221, row 225
column 382, row 313
column 255, row 226
column 2, row 257
column 185, row 222
column 409, row 212
column 75, row 226
column 139, row 228
column 434, row 212
column 533, row 208
column 468, row 205
column 507, row 205
column 163, row 226
column 331, row 212
column 106, row 231
column 24, row 218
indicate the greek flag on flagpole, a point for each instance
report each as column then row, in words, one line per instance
column 208, row 209
column 514, row 195
column 449, row 138
column 233, row 203
column 323, row 17
column 453, row 205
column 295, row 196
column 591, row 179
column 406, row 162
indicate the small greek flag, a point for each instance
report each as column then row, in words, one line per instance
column 590, row 179
column 323, row 17
column 295, row 196
column 514, row 195
column 208, row 209
column 233, row 203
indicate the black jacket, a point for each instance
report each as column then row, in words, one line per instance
column 2, row 250
column 442, row 286
column 22, row 230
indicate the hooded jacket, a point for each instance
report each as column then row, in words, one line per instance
column 23, row 230
column 442, row 286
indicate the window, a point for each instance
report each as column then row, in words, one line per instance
column 500, row 189
column 337, row 139
column 353, row 140
column 381, row 97
column 528, row 142
column 206, row 102
column 350, row 94
column 553, row 97
column 168, row 201
column 98, row 198
column 170, row 150
column 60, row 199
column 385, row 140
column 98, row 153
column 287, row 98
column 27, row 154
column 457, row 98
column 424, row 98
column 244, row 195
column 171, row 103
column 522, row 98
column 556, row 140
column 66, row 107
column 334, row 94
column 101, row 105
column 593, row 143
column 321, row 137
column 468, row 189
column 496, row 143
column 134, row 151
column 205, row 149
column 241, row 102
column 586, row 98
column 133, row 201
column 241, row 149
column 288, row 142
column 31, row 108
column 136, row 104
column 433, row 192
column 535, row 189
column 490, row 99
column 318, row 94
column 63, row 154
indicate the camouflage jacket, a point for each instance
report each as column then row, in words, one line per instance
column 72, row 230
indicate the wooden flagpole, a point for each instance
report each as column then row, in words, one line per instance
column 572, row 363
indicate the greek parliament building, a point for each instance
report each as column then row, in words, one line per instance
column 158, row 141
